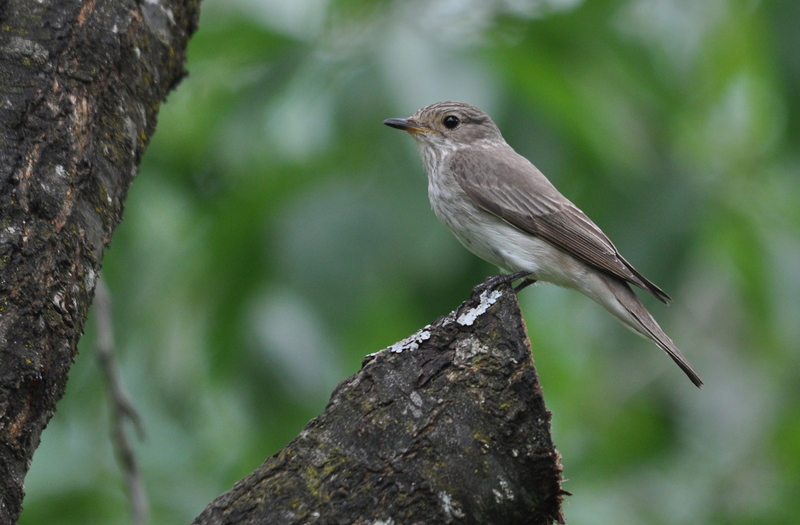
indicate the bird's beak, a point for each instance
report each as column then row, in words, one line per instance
column 406, row 124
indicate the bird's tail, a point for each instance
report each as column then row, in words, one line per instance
column 635, row 316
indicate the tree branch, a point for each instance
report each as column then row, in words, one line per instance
column 122, row 410
column 448, row 425
column 81, row 84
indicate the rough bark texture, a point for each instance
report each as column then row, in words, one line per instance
column 81, row 82
column 447, row 426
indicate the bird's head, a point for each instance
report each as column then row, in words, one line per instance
column 451, row 124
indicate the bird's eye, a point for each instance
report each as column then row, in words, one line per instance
column 451, row 121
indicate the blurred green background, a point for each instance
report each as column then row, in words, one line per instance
column 278, row 232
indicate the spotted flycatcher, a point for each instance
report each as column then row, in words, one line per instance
column 505, row 211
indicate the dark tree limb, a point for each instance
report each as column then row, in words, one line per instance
column 81, row 82
column 447, row 426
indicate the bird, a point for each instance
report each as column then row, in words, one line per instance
column 505, row 211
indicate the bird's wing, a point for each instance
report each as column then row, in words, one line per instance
column 510, row 187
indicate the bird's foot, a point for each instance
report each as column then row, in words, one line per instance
column 495, row 281
column 524, row 284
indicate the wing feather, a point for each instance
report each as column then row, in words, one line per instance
column 510, row 187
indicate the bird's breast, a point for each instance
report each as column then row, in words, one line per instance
column 495, row 240
column 478, row 230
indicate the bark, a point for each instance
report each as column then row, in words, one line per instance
column 81, row 82
column 447, row 426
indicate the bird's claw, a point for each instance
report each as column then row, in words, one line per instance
column 495, row 281
column 524, row 284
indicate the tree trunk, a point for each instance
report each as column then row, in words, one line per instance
column 447, row 426
column 81, row 82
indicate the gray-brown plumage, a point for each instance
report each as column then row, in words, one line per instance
column 503, row 209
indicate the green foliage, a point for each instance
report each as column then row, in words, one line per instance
column 279, row 232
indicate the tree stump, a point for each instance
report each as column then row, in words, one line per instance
column 446, row 426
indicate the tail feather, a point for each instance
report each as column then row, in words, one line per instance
column 646, row 284
column 640, row 321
